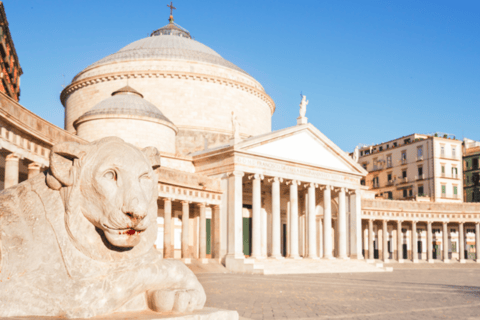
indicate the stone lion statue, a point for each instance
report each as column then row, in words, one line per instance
column 77, row 241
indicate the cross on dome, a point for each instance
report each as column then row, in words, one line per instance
column 171, row 11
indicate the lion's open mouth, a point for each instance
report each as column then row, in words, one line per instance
column 127, row 231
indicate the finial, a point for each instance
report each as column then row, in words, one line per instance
column 170, row 19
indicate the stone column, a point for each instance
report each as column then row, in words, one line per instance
column 385, row 252
column 399, row 242
column 235, row 218
column 11, row 170
column 216, row 232
column 276, row 218
column 293, row 219
column 203, row 232
column 461, row 243
column 445, row 242
column 319, row 237
column 33, row 169
column 414, row 242
column 185, row 229
column 429, row 242
column 256, row 215
column 342, row 225
column 355, row 230
column 477, row 241
column 371, row 248
column 312, row 215
column 327, row 223
column 167, row 229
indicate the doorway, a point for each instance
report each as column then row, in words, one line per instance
column 405, row 252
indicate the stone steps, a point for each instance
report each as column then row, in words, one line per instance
column 306, row 266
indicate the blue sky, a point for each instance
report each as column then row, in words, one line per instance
column 372, row 70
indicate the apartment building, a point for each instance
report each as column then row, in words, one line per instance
column 471, row 170
column 421, row 167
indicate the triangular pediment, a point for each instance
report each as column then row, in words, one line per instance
column 303, row 144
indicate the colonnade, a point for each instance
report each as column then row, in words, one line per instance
column 414, row 239
column 168, row 241
column 12, row 170
column 259, row 219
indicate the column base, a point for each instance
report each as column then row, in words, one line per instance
column 431, row 261
column 462, row 261
column 370, row 261
column 446, row 261
column 276, row 257
column 415, row 260
column 401, row 261
column 187, row 260
column 204, row 261
column 329, row 258
column 477, row 260
column 343, row 258
column 295, row 257
column 312, row 258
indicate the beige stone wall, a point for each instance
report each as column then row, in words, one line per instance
column 195, row 96
column 137, row 132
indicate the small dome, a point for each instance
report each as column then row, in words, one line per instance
column 126, row 101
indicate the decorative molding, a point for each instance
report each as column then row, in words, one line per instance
column 167, row 74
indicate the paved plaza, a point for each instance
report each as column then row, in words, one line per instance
column 451, row 292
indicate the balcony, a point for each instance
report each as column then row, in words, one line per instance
column 375, row 185
column 404, row 161
column 390, row 183
column 420, row 177
column 419, row 158
column 402, row 180
column 389, row 165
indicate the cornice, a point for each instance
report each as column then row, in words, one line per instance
column 166, row 74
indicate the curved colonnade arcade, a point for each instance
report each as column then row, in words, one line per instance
column 416, row 231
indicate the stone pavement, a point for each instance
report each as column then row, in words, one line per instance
column 429, row 293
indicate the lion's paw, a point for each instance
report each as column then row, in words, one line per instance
column 175, row 300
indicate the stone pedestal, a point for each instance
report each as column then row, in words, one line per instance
column 302, row 120
column 204, row 314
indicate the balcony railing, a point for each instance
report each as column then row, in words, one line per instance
column 402, row 180
column 420, row 177
column 389, row 182
column 444, row 175
column 376, row 185
column 404, row 161
column 455, row 175
column 444, row 195
column 389, row 165
column 419, row 158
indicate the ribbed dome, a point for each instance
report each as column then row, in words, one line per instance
column 126, row 101
column 167, row 46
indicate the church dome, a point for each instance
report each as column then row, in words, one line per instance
column 194, row 87
column 171, row 42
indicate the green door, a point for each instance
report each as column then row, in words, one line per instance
column 209, row 236
column 247, row 233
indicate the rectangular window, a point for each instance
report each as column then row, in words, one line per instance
column 388, row 146
column 455, row 190
column 364, row 166
column 394, row 144
column 443, row 171
column 404, row 193
column 420, row 152
column 404, row 155
column 390, row 195
column 380, row 148
column 453, row 230
column 442, row 151
column 405, row 141
column 389, row 161
column 389, row 177
column 420, row 172
column 420, row 190
column 362, row 182
column 404, row 173
column 454, row 152
column 410, row 192
column 475, row 163
column 444, row 190
column 361, row 153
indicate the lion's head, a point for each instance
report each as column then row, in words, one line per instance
column 110, row 192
